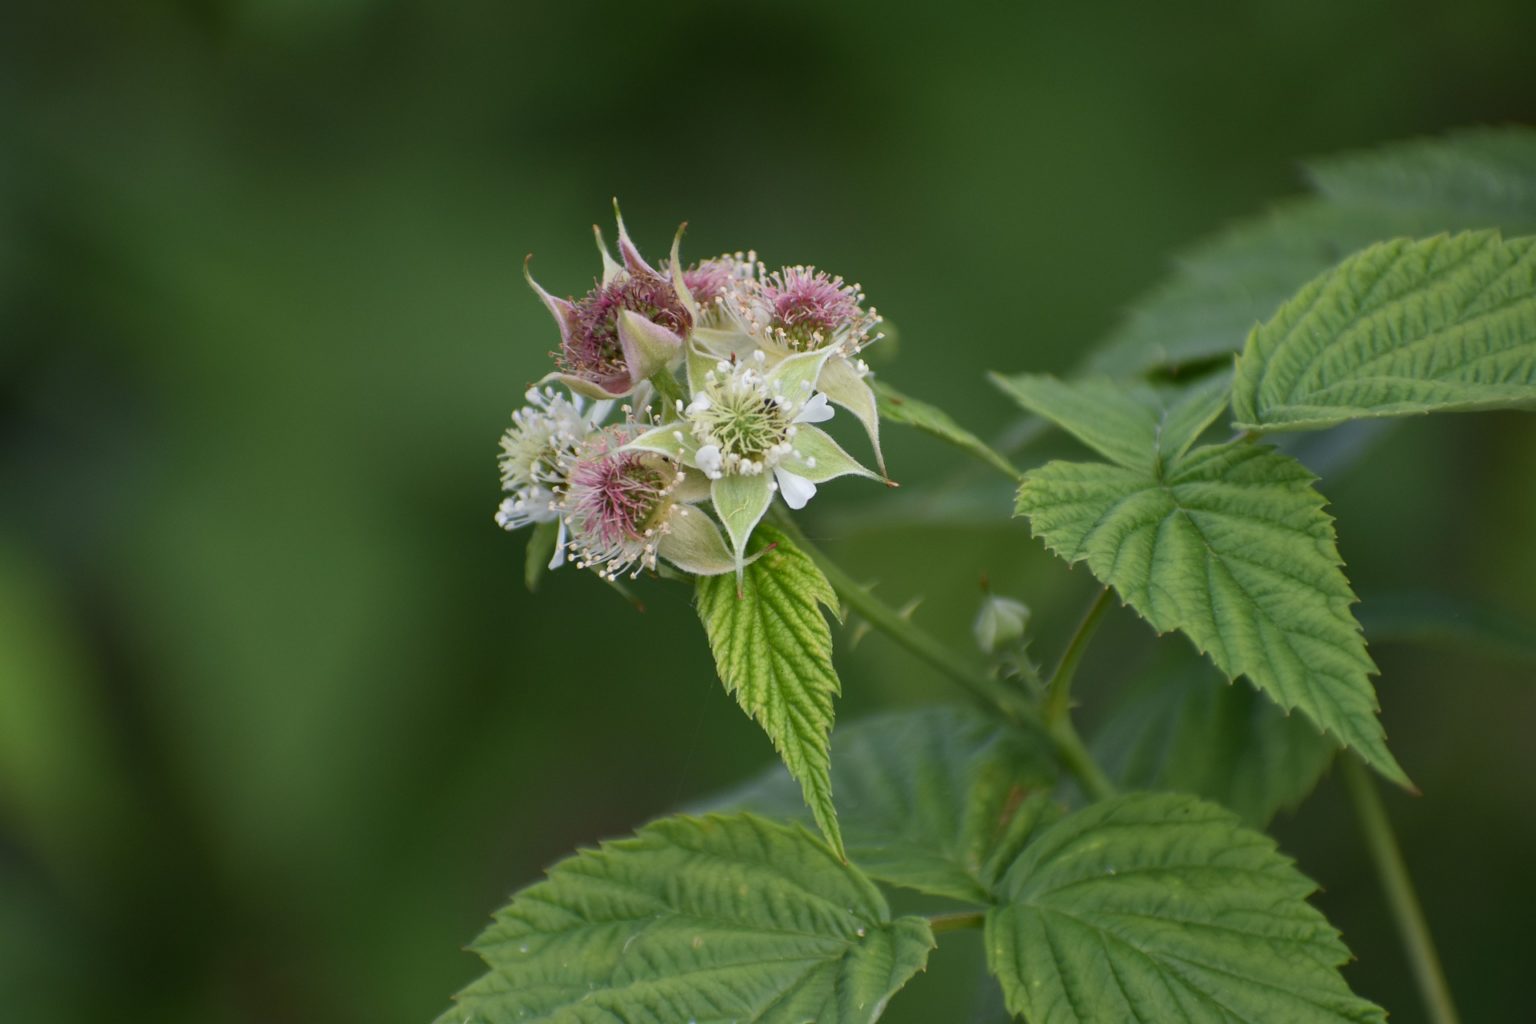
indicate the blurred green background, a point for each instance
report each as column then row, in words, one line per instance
column 279, row 726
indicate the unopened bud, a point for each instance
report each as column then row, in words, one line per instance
column 1000, row 623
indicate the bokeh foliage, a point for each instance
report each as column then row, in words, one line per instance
column 278, row 724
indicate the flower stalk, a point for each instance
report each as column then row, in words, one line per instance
column 1392, row 872
column 1012, row 705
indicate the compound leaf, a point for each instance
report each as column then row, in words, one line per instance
column 1232, row 546
column 773, row 651
column 1483, row 176
column 1131, row 423
column 707, row 920
column 935, row 799
column 1444, row 324
column 1162, row 907
column 1241, row 275
column 1187, row 729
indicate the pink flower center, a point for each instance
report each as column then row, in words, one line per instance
column 614, row 497
column 808, row 304
column 593, row 350
column 708, row 280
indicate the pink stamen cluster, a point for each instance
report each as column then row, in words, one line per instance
column 807, row 303
column 592, row 348
column 616, row 504
column 810, row 308
column 710, row 280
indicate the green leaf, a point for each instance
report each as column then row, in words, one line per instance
column 1485, row 175
column 1162, row 907
column 1189, row 730
column 1232, row 547
column 930, row 419
column 1234, row 279
column 705, row 920
column 773, row 651
column 1134, row 424
column 1405, row 327
column 936, row 799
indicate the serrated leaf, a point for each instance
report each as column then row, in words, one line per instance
column 1445, row 324
column 1134, row 424
column 1232, row 547
column 1241, row 275
column 1187, row 729
column 934, row 799
column 705, row 920
column 1484, row 173
column 930, row 419
column 773, row 651
column 1162, row 907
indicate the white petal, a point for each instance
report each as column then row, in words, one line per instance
column 815, row 411
column 797, row 490
column 708, row 458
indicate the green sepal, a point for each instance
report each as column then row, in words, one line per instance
column 844, row 386
column 649, row 348
column 693, row 544
column 541, row 546
column 740, row 501
column 830, row 460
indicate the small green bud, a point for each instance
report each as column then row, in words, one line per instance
column 1000, row 623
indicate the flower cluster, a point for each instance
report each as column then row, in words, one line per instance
column 763, row 356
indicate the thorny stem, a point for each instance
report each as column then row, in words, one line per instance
column 1009, row 703
column 957, row 920
column 1058, row 692
column 918, row 642
column 1398, row 887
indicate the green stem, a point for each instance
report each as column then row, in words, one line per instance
column 1074, row 753
column 1008, row 702
column 919, row 643
column 955, row 921
column 1398, row 887
column 1058, row 690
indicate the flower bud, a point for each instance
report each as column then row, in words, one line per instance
column 1000, row 623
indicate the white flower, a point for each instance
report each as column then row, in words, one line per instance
column 800, row 310
column 626, row 509
column 535, row 457
column 749, row 429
